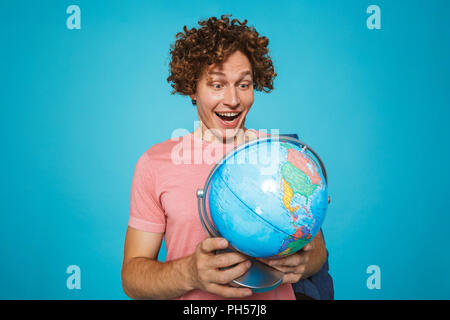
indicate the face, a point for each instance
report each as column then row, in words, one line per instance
column 224, row 96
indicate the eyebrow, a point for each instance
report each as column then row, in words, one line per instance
column 242, row 74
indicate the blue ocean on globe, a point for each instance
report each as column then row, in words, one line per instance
column 268, row 198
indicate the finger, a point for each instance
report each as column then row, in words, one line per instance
column 211, row 244
column 269, row 261
column 265, row 261
column 228, row 275
column 308, row 247
column 291, row 261
column 224, row 260
column 300, row 269
column 276, row 264
column 229, row 292
column 287, row 269
column 291, row 278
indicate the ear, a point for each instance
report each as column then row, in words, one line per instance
column 194, row 102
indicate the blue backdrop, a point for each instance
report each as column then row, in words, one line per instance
column 79, row 106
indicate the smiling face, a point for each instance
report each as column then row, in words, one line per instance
column 224, row 97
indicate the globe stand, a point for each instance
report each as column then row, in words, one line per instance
column 259, row 277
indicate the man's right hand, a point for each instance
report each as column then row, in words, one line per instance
column 205, row 269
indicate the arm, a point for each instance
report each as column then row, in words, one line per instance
column 143, row 277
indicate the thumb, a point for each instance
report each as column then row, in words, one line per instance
column 308, row 247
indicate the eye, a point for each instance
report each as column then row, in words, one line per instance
column 216, row 85
column 244, row 85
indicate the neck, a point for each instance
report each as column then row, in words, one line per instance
column 202, row 132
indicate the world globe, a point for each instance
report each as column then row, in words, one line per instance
column 268, row 197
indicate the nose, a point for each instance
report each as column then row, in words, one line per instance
column 231, row 97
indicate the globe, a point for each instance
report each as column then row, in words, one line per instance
column 268, row 197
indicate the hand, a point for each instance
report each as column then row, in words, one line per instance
column 293, row 266
column 206, row 273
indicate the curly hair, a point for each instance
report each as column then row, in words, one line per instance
column 212, row 44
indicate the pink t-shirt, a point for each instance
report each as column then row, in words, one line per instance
column 163, row 199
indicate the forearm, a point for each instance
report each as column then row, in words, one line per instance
column 144, row 278
column 317, row 258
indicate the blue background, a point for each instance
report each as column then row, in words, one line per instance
column 80, row 106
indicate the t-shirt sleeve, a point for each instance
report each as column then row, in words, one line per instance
column 146, row 212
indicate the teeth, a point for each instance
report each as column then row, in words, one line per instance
column 228, row 114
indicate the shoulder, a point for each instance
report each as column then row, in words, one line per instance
column 154, row 162
column 163, row 150
column 162, row 155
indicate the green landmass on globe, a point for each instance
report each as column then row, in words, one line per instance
column 297, row 174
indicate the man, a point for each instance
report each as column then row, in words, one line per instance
column 219, row 66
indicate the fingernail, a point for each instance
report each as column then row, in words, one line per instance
column 223, row 243
column 248, row 263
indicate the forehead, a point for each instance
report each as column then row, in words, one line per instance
column 236, row 65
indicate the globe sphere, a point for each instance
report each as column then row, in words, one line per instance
column 268, row 198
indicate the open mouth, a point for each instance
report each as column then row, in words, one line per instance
column 228, row 116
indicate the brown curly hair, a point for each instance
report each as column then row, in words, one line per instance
column 212, row 44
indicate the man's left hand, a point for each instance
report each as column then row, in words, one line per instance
column 293, row 266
